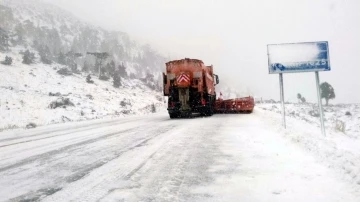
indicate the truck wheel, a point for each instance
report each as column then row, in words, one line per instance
column 211, row 110
column 174, row 115
column 208, row 112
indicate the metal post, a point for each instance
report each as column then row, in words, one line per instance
column 320, row 104
column 282, row 99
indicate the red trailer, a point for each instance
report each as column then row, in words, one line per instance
column 237, row 105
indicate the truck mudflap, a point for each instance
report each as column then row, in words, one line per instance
column 237, row 105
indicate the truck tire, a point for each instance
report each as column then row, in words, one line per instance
column 174, row 115
column 209, row 111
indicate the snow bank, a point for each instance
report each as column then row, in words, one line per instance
column 338, row 149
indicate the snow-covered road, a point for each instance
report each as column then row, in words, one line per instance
column 232, row 157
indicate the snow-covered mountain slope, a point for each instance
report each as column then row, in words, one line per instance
column 25, row 89
column 32, row 22
column 55, row 36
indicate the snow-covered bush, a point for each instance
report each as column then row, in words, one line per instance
column 31, row 125
column 104, row 78
column 54, row 94
column 340, row 126
column 88, row 79
column 64, row 71
column 28, row 57
column 7, row 61
column 153, row 108
column 314, row 113
column 116, row 80
column 61, row 102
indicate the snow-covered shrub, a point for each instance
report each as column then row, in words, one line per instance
column 88, row 79
column 153, row 108
column 314, row 113
column 123, row 103
column 28, row 57
column 116, row 80
column 7, row 61
column 54, row 94
column 61, row 102
column 64, row 71
column 9, row 127
column 31, row 125
column 104, row 78
column 90, row 96
column 126, row 111
column 340, row 126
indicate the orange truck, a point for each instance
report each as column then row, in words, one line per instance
column 190, row 87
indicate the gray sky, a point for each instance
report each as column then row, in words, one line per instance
column 232, row 35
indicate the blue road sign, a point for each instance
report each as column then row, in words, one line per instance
column 298, row 57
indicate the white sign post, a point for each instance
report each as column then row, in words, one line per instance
column 281, row 81
column 296, row 58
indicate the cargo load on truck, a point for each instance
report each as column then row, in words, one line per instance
column 190, row 87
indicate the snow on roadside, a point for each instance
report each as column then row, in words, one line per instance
column 349, row 114
column 25, row 98
column 258, row 164
column 338, row 150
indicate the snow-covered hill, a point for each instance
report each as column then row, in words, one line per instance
column 25, row 96
column 54, row 36
column 33, row 23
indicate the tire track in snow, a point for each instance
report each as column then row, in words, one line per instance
column 84, row 172
column 42, row 147
column 97, row 183
column 63, row 132
column 170, row 169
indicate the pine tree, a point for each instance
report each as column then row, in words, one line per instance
column 111, row 68
column 7, row 61
column 85, row 67
column 106, row 69
column 4, row 40
column 28, row 57
column 61, row 58
column 117, row 79
column 70, row 58
column 303, row 100
column 122, row 70
column 45, row 54
column 327, row 92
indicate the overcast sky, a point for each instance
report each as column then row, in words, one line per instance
column 233, row 36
